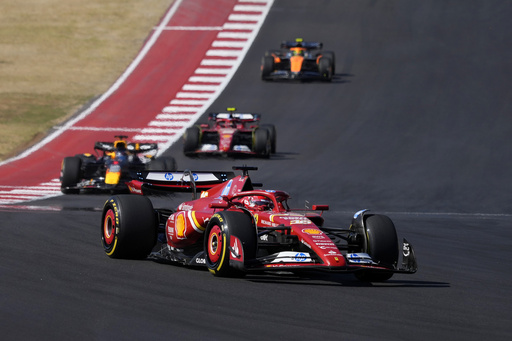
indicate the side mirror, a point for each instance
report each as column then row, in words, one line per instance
column 219, row 204
column 320, row 207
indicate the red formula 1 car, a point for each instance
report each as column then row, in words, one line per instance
column 231, row 133
column 111, row 167
column 298, row 60
column 234, row 229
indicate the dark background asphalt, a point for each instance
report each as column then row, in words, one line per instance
column 415, row 125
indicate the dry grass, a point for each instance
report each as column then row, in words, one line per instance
column 56, row 55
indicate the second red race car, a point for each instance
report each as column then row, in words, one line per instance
column 231, row 133
column 234, row 229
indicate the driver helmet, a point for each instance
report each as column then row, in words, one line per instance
column 257, row 203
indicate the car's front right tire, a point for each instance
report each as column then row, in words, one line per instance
column 222, row 227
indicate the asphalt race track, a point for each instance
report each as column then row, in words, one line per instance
column 415, row 125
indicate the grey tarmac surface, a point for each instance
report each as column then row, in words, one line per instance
column 415, row 125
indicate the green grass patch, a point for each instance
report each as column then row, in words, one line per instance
column 56, row 55
column 26, row 118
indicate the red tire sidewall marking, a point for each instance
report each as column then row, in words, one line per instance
column 215, row 251
column 109, row 227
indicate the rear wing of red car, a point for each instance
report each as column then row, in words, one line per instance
column 237, row 116
column 163, row 182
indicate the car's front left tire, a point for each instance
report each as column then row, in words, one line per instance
column 71, row 171
column 128, row 227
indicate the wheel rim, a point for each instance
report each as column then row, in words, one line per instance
column 215, row 244
column 109, row 227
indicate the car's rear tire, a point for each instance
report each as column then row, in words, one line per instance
column 222, row 227
column 128, row 227
column 381, row 243
column 325, row 68
column 267, row 67
column 261, row 142
column 70, row 174
column 191, row 140
column 166, row 163
column 272, row 135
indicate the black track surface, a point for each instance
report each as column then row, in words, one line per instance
column 415, row 125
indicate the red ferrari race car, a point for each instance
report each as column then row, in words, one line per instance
column 298, row 60
column 234, row 229
column 231, row 133
column 111, row 167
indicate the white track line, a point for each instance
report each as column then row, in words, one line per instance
column 193, row 28
column 233, row 35
column 247, row 8
column 219, row 62
column 206, row 71
column 191, row 94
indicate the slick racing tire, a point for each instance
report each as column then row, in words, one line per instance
column 381, row 243
column 330, row 55
column 267, row 67
column 70, row 174
column 191, row 140
column 128, row 227
column 166, row 163
column 272, row 135
column 325, row 68
column 221, row 229
column 273, row 52
column 261, row 142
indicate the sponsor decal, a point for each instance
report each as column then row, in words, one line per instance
column 216, row 215
column 301, row 257
column 185, row 207
column 200, row 261
column 292, row 257
column 168, row 176
column 300, row 222
column 235, row 250
column 195, row 176
column 204, row 194
column 169, row 226
column 209, row 148
column 289, row 216
column 180, row 227
column 359, row 258
column 406, row 250
column 328, row 247
column 134, row 190
column 311, row 231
